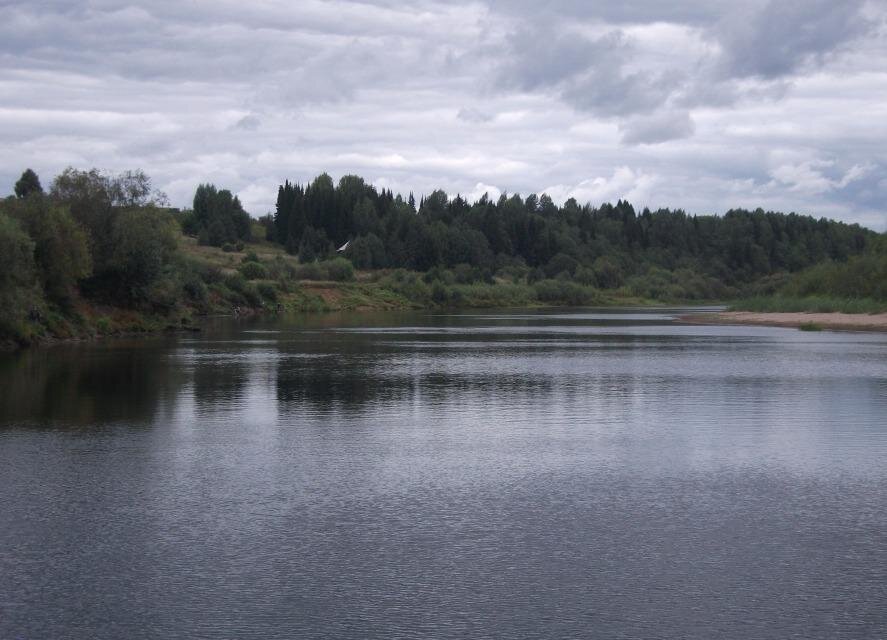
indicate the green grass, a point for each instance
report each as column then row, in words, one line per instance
column 810, row 326
column 484, row 295
column 809, row 304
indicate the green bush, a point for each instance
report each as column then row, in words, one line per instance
column 439, row 293
column 267, row 291
column 339, row 269
column 860, row 277
column 226, row 296
column 59, row 327
column 408, row 284
column 608, row 274
column 310, row 271
column 252, row 295
column 253, row 271
column 163, row 294
column 17, row 274
column 367, row 252
column 482, row 294
column 564, row 292
column 535, row 275
column 103, row 325
column 465, row 274
column 280, row 269
column 236, row 282
column 194, row 288
column 513, row 273
column 439, row 273
column 246, row 292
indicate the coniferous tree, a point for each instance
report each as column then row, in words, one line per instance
column 219, row 216
column 609, row 246
column 28, row 183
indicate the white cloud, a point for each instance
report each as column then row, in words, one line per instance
column 809, row 177
column 259, row 198
column 624, row 184
column 603, row 100
column 481, row 189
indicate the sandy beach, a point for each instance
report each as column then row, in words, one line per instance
column 840, row 321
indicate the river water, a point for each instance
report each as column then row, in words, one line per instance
column 537, row 474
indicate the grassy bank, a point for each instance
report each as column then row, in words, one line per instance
column 263, row 276
column 809, row 304
column 260, row 277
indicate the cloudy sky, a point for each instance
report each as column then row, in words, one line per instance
column 700, row 104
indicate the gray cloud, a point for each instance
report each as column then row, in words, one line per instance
column 474, row 116
column 610, row 75
column 609, row 91
column 704, row 104
column 696, row 12
column 249, row 122
column 591, row 74
column 543, row 58
column 660, row 127
column 785, row 34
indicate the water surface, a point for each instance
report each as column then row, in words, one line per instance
column 493, row 475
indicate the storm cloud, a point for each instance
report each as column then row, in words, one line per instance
column 699, row 104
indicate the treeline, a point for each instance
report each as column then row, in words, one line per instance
column 855, row 285
column 861, row 276
column 111, row 240
column 658, row 253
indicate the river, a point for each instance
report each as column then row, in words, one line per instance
column 536, row 474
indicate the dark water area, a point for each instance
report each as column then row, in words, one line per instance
column 544, row 474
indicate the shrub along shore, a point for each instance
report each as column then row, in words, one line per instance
column 98, row 254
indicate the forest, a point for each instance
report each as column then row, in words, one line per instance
column 704, row 257
column 98, row 252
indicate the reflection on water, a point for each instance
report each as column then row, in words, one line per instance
column 86, row 384
column 413, row 475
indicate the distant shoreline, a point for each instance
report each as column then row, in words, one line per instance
column 796, row 320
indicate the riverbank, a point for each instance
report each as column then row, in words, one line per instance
column 796, row 320
column 261, row 278
column 230, row 294
column 810, row 304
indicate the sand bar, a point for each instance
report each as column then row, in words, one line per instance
column 842, row 321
